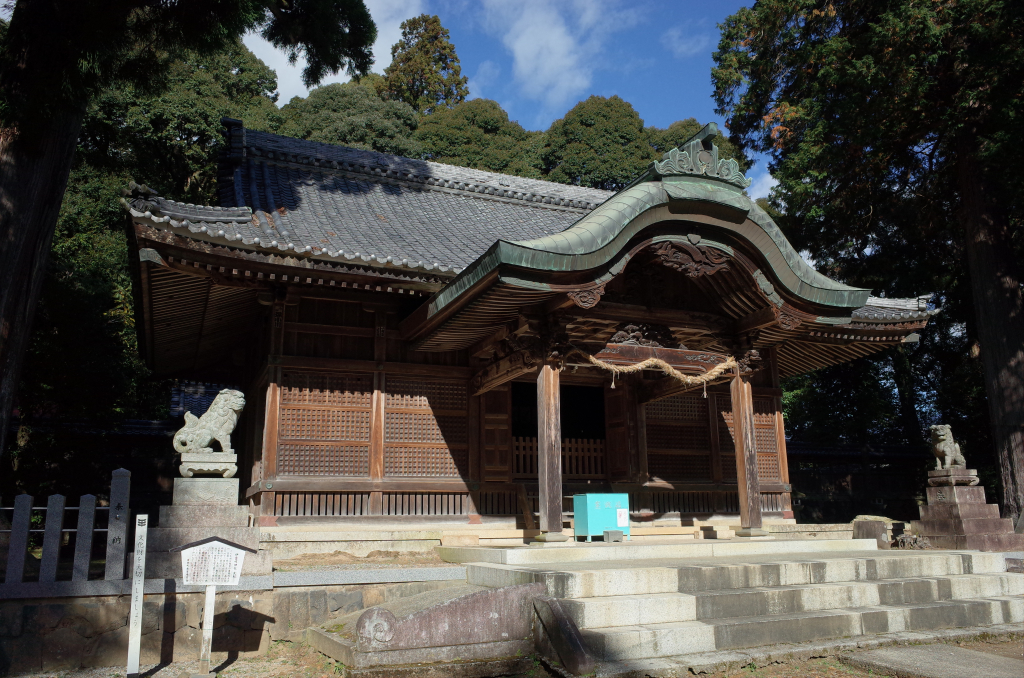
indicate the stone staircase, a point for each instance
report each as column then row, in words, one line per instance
column 654, row 608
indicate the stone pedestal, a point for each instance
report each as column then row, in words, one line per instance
column 957, row 516
column 203, row 507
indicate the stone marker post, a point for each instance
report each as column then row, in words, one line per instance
column 208, row 609
column 138, row 588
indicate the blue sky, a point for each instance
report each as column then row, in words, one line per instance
column 538, row 58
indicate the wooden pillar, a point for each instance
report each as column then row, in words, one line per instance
column 549, row 453
column 746, row 458
column 377, row 411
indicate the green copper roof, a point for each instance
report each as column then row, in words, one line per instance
column 598, row 237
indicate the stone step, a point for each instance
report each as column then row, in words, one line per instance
column 563, row 582
column 213, row 516
column 679, row 607
column 698, row 578
column 579, row 583
column 680, row 638
column 163, row 565
column 783, row 600
column 166, row 538
column 1007, row 541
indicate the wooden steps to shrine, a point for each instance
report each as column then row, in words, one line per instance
column 631, row 610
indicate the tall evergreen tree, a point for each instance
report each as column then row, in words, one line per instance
column 56, row 55
column 600, row 143
column 425, row 71
column 478, row 134
column 82, row 363
column 890, row 124
column 352, row 114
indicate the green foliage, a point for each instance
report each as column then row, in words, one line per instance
column 425, row 71
column 58, row 55
column 83, row 363
column 478, row 134
column 600, row 143
column 353, row 115
column 168, row 139
column 868, row 111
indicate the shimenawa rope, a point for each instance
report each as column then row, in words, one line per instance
column 657, row 363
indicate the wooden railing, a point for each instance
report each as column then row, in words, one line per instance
column 581, row 458
column 63, row 566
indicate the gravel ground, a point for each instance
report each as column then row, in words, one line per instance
column 297, row 660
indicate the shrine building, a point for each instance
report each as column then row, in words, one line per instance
column 423, row 342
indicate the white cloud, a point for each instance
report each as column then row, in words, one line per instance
column 387, row 14
column 761, row 186
column 486, row 74
column 687, row 40
column 555, row 46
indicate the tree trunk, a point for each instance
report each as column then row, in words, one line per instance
column 33, row 175
column 903, row 374
column 996, row 292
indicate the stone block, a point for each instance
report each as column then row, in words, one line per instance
column 961, row 511
column 11, row 619
column 21, row 655
column 871, row 529
column 110, row 649
column 216, row 515
column 63, row 648
column 228, row 639
column 199, row 491
column 344, row 602
column 961, row 494
column 959, row 526
column 38, row 619
column 460, row 540
column 167, row 538
column 222, row 464
column 99, row 618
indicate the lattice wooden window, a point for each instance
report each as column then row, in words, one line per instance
column 765, row 442
column 678, row 438
column 324, row 424
column 726, row 444
column 426, row 430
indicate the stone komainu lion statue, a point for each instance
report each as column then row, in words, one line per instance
column 946, row 451
column 217, row 424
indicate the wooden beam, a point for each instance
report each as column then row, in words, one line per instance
column 549, row 449
column 502, row 371
column 321, row 484
column 336, row 330
column 485, row 347
column 746, row 456
column 627, row 312
column 764, row 317
column 345, row 365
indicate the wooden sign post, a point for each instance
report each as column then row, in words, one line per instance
column 138, row 589
column 211, row 562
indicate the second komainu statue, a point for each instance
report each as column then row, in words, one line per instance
column 193, row 441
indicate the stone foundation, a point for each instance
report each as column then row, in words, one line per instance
column 957, row 516
column 72, row 633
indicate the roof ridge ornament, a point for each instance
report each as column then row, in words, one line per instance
column 699, row 155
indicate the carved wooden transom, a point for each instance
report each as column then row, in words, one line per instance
column 693, row 260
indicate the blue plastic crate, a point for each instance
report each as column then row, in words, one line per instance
column 595, row 513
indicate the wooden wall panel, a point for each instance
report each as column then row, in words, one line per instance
column 496, row 434
column 426, row 428
column 766, row 433
column 679, row 438
column 622, row 438
column 324, row 424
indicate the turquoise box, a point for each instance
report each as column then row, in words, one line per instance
column 595, row 513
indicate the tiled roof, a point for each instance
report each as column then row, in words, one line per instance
column 336, row 203
column 895, row 310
